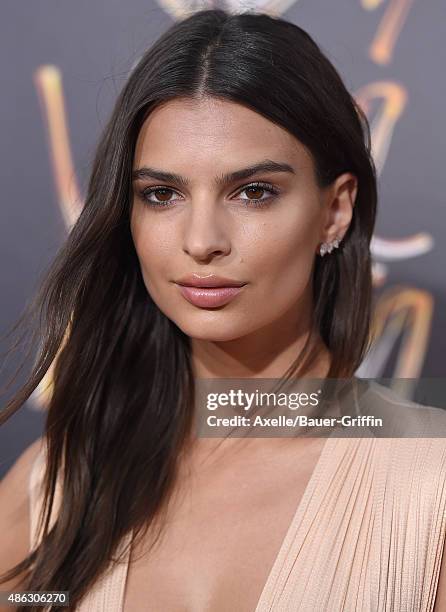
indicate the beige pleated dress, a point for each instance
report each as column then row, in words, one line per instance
column 367, row 535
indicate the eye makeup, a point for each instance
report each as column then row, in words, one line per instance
column 144, row 195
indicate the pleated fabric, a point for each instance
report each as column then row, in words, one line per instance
column 368, row 533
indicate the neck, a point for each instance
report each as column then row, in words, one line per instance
column 265, row 353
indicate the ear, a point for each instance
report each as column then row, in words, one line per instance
column 339, row 201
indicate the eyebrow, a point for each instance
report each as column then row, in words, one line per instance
column 267, row 165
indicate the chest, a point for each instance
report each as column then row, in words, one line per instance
column 223, row 534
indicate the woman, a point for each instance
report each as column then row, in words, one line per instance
column 235, row 159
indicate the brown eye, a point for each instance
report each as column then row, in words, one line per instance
column 256, row 192
column 161, row 196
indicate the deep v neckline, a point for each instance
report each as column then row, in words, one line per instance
column 294, row 534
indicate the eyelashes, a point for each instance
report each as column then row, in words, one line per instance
column 162, row 190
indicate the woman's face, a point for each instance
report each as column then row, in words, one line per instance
column 260, row 228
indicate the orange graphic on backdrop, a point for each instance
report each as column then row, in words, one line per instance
column 384, row 102
column 383, row 45
column 406, row 313
column 48, row 81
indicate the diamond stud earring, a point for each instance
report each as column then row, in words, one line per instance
column 327, row 247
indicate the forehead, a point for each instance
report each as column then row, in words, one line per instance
column 185, row 130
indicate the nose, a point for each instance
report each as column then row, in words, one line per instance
column 205, row 233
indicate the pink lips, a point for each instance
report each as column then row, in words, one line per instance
column 209, row 297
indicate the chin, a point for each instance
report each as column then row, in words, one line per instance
column 213, row 331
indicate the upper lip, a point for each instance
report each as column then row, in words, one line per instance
column 211, row 280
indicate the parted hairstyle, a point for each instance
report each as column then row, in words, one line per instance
column 123, row 391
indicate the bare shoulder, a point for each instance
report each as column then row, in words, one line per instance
column 14, row 512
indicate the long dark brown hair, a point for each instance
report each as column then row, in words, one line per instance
column 123, row 390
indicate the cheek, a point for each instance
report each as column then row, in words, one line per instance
column 153, row 260
column 284, row 252
column 153, row 248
